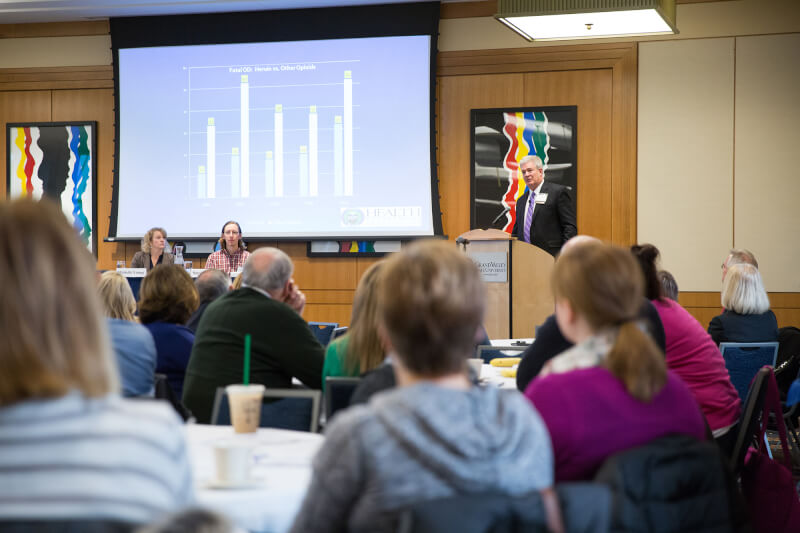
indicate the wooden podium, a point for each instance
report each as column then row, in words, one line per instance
column 517, row 276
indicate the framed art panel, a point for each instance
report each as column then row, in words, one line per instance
column 56, row 160
column 500, row 139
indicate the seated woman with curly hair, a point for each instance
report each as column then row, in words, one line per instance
column 167, row 298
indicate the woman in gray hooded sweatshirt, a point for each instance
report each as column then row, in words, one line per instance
column 435, row 435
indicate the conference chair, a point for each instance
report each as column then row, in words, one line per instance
column 338, row 392
column 743, row 359
column 295, row 409
column 163, row 391
column 749, row 423
column 67, row 525
column 584, row 507
column 323, row 331
column 338, row 332
column 487, row 353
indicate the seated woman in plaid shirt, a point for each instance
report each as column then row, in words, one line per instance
column 232, row 254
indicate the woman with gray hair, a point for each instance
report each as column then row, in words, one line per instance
column 746, row 316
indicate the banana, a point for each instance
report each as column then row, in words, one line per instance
column 509, row 372
column 505, row 361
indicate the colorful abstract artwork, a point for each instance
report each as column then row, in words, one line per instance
column 352, row 248
column 500, row 139
column 56, row 161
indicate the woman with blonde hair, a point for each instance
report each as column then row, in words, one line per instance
column 152, row 253
column 360, row 350
column 133, row 345
column 167, row 299
column 72, row 448
column 611, row 391
column 746, row 316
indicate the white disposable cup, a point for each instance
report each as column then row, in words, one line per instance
column 232, row 461
column 476, row 365
column 244, row 402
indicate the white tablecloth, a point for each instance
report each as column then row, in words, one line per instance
column 490, row 375
column 282, row 467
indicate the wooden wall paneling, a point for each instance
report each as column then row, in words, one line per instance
column 706, row 305
column 591, row 91
column 54, row 29
column 453, row 10
column 459, row 94
column 15, row 106
column 624, row 149
column 97, row 105
column 320, row 272
column 39, row 78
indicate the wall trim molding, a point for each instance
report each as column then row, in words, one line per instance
column 44, row 78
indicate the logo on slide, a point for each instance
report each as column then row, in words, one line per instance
column 352, row 217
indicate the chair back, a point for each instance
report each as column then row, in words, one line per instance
column 487, row 353
column 660, row 486
column 338, row 332
column 750, row 421
column 743, row 359
column 66, row 525
column 338, row 392
column 585, row 507
column 296, row 409
column 163, row 391
column 323, row 331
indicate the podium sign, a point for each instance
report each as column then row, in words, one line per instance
column 493, row 266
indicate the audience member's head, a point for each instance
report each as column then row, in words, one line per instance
column 597, row 287
column 576, row 241
column 647, row 255
column 431, row 302
column 55, row 335
column 268, row 269
column 116, row 296
column 738, row 256
column 743, row 291
column 364, row 348
column 669, row 287
column 167, row 294
column 211, row 284
column 147, row 240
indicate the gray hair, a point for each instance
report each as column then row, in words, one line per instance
column 738, row 256
column 532, row 158
column 267, row 275
column 212, row 284
column 743, row 291
column 668, row 285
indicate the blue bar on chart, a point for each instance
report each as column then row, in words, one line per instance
column 313, row 151
column 348, row 133
column 269, row 180
column 235, row 172
column 278, row 132
column 211, row 160
column 303, row 166
column 245, row 136
column 201, row 181
column 338, row 156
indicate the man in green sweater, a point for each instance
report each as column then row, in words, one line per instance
column 269, row 308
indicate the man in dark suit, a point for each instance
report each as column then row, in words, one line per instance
column 545, row 213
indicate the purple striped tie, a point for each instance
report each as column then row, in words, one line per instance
column 526, row 232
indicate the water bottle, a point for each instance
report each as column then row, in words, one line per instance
column 179, row 255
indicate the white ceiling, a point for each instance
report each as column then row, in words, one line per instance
column 25, row 11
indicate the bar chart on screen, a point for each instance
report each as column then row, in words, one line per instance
column 271, row 130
